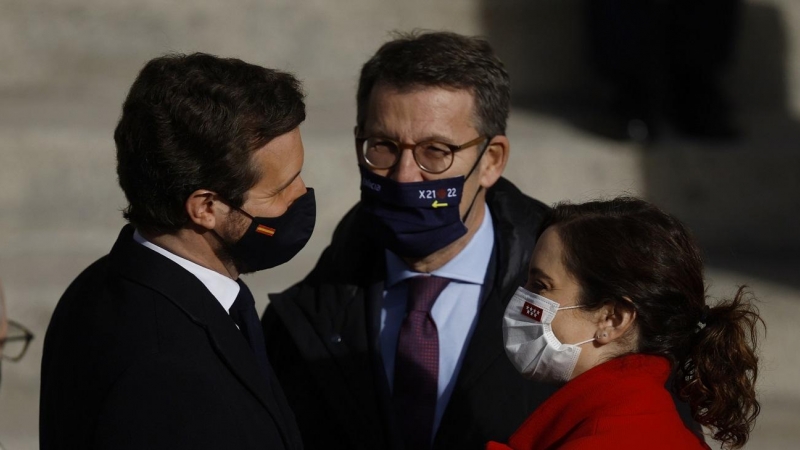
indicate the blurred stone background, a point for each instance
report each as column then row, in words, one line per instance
column 66, row 65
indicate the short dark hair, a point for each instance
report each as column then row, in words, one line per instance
column 630, row 253
column 441, row 59
column 193, row 122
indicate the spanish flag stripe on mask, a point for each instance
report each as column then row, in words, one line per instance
column 265, row 230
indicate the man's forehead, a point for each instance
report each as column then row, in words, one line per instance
column 433, row 111
column 427, row 90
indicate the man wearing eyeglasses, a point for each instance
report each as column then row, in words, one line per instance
column 394, row 340
column 14, row 338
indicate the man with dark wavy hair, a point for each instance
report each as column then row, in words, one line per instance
column 394, row 340
column 158, row 345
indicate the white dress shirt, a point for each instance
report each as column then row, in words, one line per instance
column 221, row 287
column 455, row 311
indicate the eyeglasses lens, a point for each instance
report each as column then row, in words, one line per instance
column 433, row 157
column 15, row 343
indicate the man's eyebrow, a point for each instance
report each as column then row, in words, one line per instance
column 428, row 138
column 438, row 138
column 287, row 183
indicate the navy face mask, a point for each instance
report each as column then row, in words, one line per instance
column 413, row 219
column 272, row 241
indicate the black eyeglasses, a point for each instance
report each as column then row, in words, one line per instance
column 431, row 156
column 16, row 342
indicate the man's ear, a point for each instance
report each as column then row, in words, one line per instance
column 204, row 209
column 494, row 161
column 613, row 321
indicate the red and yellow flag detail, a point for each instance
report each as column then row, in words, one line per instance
column 265, row 230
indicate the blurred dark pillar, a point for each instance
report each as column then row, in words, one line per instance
column 666, row 57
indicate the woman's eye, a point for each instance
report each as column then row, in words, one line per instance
column 537, row 286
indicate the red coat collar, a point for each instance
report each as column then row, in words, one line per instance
column 608, row 389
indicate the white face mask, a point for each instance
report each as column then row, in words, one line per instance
column 530, row 343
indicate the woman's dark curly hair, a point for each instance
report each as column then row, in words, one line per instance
column 627, row 248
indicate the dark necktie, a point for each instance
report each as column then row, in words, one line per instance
column 243, row 312
column 416, row 370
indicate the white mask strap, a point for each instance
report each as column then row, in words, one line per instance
column 570, row 307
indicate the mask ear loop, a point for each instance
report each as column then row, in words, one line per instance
column 569, row 307
column 246, row 214
column 475, row 166
column 576, row 307
column 230, row 205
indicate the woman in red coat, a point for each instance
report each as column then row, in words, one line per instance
column 615, row 303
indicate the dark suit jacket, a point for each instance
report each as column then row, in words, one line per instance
column 140, row 355
column 322, row 338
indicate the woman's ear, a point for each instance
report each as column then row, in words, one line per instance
column 494, row 161
column 613, row 321
column 203, row 209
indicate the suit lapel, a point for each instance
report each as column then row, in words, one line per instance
column 142, row 265
column 383, row 392
column 336, row 334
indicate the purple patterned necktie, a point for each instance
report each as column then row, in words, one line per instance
column 416, row 370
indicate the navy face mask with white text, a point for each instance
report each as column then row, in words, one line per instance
column 412, row 219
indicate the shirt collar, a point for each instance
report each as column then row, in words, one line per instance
column 468, row 266
column 221, row 287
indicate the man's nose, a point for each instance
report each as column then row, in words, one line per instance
column 406, row 170
column 297, row 189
